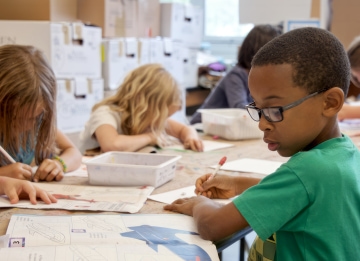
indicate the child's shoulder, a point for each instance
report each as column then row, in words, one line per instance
column 325, row 157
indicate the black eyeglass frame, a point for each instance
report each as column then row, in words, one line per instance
column 281, row 109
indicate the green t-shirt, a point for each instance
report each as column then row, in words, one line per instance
column 312, row 202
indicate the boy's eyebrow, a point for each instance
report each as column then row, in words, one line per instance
column 273, row 97
column 270, row 97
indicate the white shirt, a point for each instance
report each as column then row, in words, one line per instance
column 102, row 115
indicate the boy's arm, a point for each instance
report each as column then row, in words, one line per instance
column 223, row 186
column 213, row 220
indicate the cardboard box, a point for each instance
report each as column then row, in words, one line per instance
column 131, row 169
column 120, row 57
column 230, row 124
column 148, row 18
column 49, row 10
column 191, row 67
column 122, row 18
column 173, row 59
column 72, row 49
column 143, row 51
column 108, row 14
column 346, row 20
column 182, row 23
column 156, row 50
column 168, row 53
column 75, row 99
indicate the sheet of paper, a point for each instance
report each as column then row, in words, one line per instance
column 73, row 197
column 4, row 241
column 186, row 192
column 80, row 172
column 251, row 165
column 159, row 237
column 209, row 145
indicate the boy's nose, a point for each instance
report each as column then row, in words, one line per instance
column 264, row 124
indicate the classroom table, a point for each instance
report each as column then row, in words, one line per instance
column 191, row 166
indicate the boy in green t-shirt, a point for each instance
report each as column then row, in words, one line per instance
column 298, row 82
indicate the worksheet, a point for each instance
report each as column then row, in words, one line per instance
column 186, row 192
column 155, row 237
column 75, row 197
column 265, row 167
column 209, row 145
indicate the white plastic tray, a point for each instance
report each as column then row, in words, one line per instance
column 131, row 169
column 230, row 124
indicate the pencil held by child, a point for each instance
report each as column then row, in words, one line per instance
column 218, row 166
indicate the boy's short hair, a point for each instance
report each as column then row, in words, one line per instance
column 318, row 58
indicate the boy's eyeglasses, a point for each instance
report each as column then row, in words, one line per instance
column 275, row 114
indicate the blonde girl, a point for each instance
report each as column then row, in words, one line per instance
column 138, row 114
column 28, row 118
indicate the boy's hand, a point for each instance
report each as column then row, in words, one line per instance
column 184, row 205
column 49, row 170
column 17, row 171
column 221, row 186
column 15, row 189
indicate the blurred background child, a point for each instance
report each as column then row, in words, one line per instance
column 28, row 118
column 232, row 91
column 138, row 114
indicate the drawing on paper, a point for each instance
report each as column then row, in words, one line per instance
column 46, row 232
column 155, row 236
column 99, row 223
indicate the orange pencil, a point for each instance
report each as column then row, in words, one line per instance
column 221, row 162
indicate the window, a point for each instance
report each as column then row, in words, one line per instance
column 222, row 32
column 221, row 21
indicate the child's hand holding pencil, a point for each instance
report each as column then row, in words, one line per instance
column 15, row 170
column 207, row 178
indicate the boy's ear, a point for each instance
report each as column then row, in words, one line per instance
column 333, row 101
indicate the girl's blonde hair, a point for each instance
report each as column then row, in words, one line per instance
column 143, row 99
column 27, row 83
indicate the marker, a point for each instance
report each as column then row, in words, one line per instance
column 221, row 162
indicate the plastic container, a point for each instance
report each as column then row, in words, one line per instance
column 131, row 169
column 230, row 124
